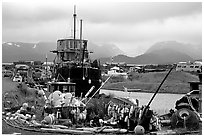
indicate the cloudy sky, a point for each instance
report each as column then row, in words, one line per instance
column 132, row 26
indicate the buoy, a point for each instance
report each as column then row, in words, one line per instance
column 33, row 117
column 50, row 119
column 126, row 119
column 41, row 92
column 33, row 108
column 28, row 116
column 67, row 99
column 139, row 130
column 89, row 81
column 59, row 103
column 25, row 105
column 11, row 118
column 8, row 114
column 55, row 96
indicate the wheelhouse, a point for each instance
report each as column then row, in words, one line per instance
column 64, row 87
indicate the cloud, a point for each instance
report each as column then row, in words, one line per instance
column 133, row 12
column 132, row 26
column 116, row 13
column 29, row 14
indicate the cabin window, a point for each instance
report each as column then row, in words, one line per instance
column 76, row 44
column 67, row 56
column 67, row 45
column 183, row 66
column 71, row 88
column 196, row 66
column 51, row 88
column 191, row 66
column 63, row 45
column 65, row 89
column 71, row 44
column 179, row 66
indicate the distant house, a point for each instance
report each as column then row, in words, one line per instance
column 48, row 65
column 135, row 69
column 8, row 66
column 188, row 66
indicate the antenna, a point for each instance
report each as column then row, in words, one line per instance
column 74, row 15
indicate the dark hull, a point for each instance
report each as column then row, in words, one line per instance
column 76, row 75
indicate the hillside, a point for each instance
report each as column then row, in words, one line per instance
column 166, row 56
column 103, row 50
column 14, row 51
column 176, row 82
column 193, row 50
column 159, row 53
column 161, row 56
column 167, row 52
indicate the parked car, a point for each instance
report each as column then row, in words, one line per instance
column 7, row 73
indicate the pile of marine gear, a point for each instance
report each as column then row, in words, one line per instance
column 130, row 115
column 64, row 113
column 120, row 113
column 65, row 106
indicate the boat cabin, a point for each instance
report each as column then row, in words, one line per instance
column 71, row 50
column 64, row 87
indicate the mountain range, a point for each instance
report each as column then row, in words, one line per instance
column 159, row 53
column 14, row 51
column 166, row 52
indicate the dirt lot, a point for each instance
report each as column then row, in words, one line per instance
column 8, row 85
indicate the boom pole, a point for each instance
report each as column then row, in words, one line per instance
column 146, row 107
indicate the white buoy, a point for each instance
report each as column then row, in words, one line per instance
column 11, row 118
column 89, row 81
column 139, row 130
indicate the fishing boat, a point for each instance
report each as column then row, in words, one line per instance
column 72, row 63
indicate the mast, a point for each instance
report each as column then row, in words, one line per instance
column 81, row 45
column 81, row 33
column 74, row 15
column 46, row 65
column 82, row 48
